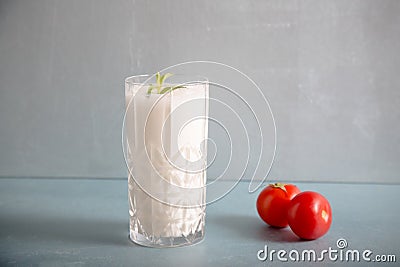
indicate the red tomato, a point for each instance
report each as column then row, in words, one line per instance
column 273, row 201
column 309, row 215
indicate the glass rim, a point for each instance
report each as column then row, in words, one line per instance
column 144, row 79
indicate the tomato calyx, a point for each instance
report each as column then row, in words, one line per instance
column 280, row 186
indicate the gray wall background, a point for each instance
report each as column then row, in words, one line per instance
column 332, row 70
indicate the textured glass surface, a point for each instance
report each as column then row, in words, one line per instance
column 148, row 224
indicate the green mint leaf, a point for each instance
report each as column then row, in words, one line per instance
column 170, row 89
column 166, row 89
column 151, row 87
column 164, row 77
column 158, row 78
column 177, row 87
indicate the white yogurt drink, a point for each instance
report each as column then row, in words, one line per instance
column 165, row 146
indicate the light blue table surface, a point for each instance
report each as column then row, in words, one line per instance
column 83, row 222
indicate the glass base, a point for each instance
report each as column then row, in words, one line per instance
column 166, row 242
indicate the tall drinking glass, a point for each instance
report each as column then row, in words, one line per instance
column 165, row 146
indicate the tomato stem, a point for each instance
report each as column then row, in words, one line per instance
column 280, row 186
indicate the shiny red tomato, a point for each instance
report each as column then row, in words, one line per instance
column 309, row 215
column 273, row 202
